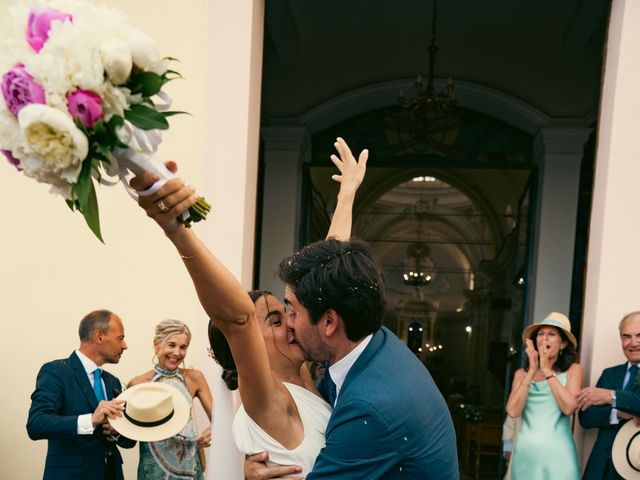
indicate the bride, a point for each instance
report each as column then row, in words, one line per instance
column 284, row 414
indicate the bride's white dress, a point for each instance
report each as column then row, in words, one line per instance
column 314, row 413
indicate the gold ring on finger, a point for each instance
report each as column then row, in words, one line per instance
column 162, row 206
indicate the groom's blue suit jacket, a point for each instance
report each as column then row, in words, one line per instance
column 390, row 420
column 600, row 466
column 63, row 392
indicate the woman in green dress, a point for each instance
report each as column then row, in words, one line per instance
column 544, row 395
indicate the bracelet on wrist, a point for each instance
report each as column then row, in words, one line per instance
column 189, row 257
column 551, row 375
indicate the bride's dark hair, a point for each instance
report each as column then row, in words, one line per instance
column 220, row 350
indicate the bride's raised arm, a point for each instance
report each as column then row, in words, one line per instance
column 221, row 295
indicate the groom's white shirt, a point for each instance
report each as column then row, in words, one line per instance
column 339, row 370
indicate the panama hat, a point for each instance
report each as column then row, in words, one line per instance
column 626, row 451
column 553, row 319
column 153, row 411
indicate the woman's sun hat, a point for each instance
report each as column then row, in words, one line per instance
column 553, row 319
column 626, row 451
column 153, row 411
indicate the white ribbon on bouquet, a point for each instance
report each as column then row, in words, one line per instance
column 140, row 157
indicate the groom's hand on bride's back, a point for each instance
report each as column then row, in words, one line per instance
column 255, row 468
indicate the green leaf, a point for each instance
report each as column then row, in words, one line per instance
column 91, row 213
column 174, row 112
column 113, row 125
column 102, row 135
column 83, row 186
column 145, row 83
column 115, row 122
column 86, row 201
column 170, row 75
column 146, row 118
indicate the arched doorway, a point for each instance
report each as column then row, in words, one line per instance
column 457, row 205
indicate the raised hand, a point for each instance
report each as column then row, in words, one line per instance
column 545, row 365
column 532, row 353
column 168, row 202
column 107, row 409
column 351, row 171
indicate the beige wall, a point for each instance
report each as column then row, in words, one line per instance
column 54, row 270
column 613, row 259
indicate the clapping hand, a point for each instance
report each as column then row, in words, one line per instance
column 545, row 365
column 532, row 353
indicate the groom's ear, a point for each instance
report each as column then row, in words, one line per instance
column 332, row 322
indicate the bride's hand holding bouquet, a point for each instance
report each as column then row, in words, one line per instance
column 166, row 204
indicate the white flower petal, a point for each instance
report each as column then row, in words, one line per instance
column 53, row 148
column 116, row 60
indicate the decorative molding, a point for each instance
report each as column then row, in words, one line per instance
column 283, row 137
column 560, row 140
column 479, row 98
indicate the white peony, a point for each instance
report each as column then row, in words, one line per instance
column 114, row 102
column 53, row 148
column 145, row 53
column 116, row 60
column 10, row 134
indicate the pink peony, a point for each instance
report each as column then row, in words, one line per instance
column 12, row 160
column 40, row 24
column 19, row 89
column 85, row 106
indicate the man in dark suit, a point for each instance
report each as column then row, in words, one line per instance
column 614, row 399
column 73, row 401
column 389, row 419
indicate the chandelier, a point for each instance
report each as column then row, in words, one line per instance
column 428, row 104
column 419, row 269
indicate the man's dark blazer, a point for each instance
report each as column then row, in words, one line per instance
column 599, row 466
column 63, row 392
column 390, row 420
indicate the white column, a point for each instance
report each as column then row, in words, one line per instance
column 285, row 150
column 230, row 174
column 613, row 258
column 559, row 152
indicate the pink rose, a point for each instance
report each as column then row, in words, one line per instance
column 40, row 23
column 85, row 106
column 20, row 89
column 12, row 160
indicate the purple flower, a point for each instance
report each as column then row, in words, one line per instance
column 12, row 160
column 40, row 24
column 85, row 106
column 20, row 89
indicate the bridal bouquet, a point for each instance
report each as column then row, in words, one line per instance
column 82, row 101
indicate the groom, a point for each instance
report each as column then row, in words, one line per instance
column 389, row 419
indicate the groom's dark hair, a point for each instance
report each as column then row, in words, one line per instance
column 343, row 276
